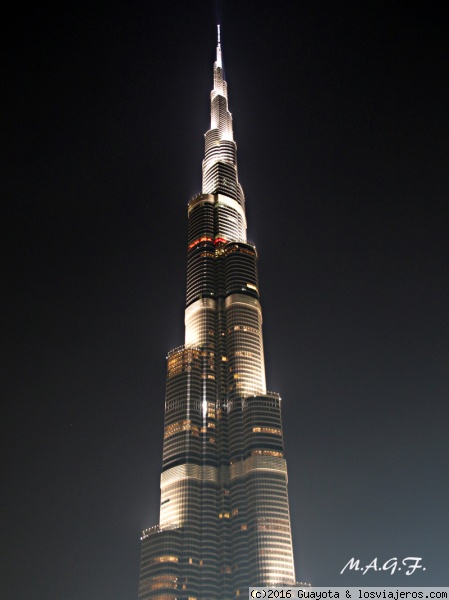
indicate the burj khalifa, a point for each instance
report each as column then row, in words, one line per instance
column 224, row 513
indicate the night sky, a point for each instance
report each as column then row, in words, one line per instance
column 341, row 119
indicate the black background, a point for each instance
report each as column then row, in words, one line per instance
column 340, row 115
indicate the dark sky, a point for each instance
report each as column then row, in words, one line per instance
column 341, row 118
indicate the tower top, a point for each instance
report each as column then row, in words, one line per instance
column 219, row 63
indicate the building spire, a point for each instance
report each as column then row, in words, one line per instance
column 219, row 64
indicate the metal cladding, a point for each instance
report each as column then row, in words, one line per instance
column 224, row 514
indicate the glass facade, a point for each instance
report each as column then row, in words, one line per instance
column 224, row 514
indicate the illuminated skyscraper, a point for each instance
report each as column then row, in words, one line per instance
column 224, row 515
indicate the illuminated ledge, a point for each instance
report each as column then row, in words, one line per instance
column 243, row 299
column 158, row 529
column 218, row 199
column 189, row 471
column 213, row 474
column 257, row 463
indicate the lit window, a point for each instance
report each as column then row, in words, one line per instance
column 267, row 430
column 267, row 453
column 165, row 559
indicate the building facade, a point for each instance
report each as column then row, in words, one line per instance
column 224, row 514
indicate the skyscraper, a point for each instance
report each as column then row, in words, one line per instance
column 224, row 513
